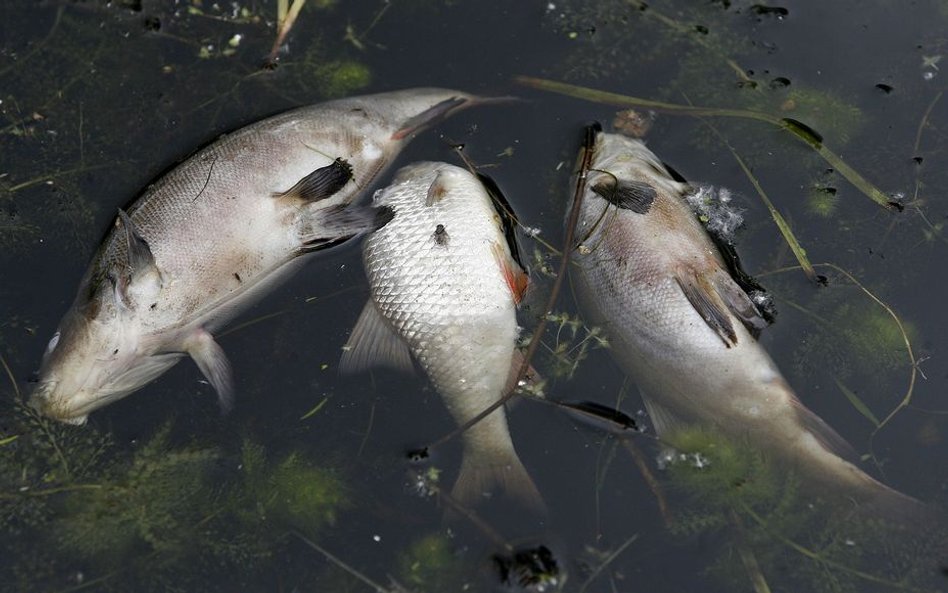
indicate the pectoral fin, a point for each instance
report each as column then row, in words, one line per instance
column 664, row 421
column 212, row 361
column 738, row 302
column 706, row 302
column 636, row 196
column 321, row 183
column 138, row 280
column 327, row 227
column 373, row 342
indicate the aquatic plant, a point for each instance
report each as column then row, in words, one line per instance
column 430, row 564
column 572, row 342
column 70, row 495
column 764, row 512
column 292, row 494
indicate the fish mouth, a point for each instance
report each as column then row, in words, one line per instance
column 42, row 403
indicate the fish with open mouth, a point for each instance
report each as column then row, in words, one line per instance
column 445, row 281
column 217, row 232
column 684, row 329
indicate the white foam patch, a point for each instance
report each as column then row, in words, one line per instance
column 714, row 207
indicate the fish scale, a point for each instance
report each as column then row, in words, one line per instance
column 440, row 288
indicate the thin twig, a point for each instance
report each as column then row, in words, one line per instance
column 378, row 588
column 609, row 559
column 913, row 362
column 6, row 367
column 551, row 301
column 748, row 558
column 818, row 558
column 650, row 480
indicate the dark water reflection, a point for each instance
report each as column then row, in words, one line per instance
column 99, row 98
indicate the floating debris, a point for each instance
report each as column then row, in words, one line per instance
column 530, row 570
column 715, row 210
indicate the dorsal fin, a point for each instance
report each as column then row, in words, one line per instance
column 321, row 183
column 508, row 217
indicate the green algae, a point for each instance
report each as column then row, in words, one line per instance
column 757, row 507
column 430, row 564
column 147, row 514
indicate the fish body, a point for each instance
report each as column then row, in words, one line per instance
column 216, row 233
column 680, row 326
column 444, row 288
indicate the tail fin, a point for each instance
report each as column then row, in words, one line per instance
column 897, row 510
column 482, row 475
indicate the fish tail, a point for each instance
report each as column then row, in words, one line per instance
column 481, row 475
column 898, row 510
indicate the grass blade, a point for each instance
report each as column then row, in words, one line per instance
column 857, row 403
column 798, row 130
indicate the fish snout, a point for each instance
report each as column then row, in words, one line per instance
column 44, row 402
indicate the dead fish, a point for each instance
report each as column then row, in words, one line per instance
column 445, row 284
column 682, row 328
column 216, row 233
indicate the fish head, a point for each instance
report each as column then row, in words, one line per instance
column 94, row 358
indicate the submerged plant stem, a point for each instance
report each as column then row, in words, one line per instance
column 913, row 362
column 798, row 251
column 798, row 131
column 607, row 562
column 377, row 587
column 748, row 558
column 816, row 557
column 650, row 480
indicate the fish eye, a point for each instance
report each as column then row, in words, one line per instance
column 52, row 343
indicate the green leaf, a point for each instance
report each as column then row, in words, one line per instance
column 858, row 403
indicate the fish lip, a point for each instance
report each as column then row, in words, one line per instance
column 40, row 402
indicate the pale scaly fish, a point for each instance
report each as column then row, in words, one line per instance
column 681, row 326
column 217, row 232
column 445, row 284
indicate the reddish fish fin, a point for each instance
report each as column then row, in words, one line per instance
column 517, row 280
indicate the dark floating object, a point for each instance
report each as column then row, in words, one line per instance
column 530, row 570
column 918, row 160
column 600, row 416
column 764, row 10
column 701, row 29
column 885, row 88
column 152, row 23
column 780, row 82
column 417, row 455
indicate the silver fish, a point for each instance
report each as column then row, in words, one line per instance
column 444, row 287
column 682, row 328
column 218, row 232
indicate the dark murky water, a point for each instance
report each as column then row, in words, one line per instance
column 160, row 492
